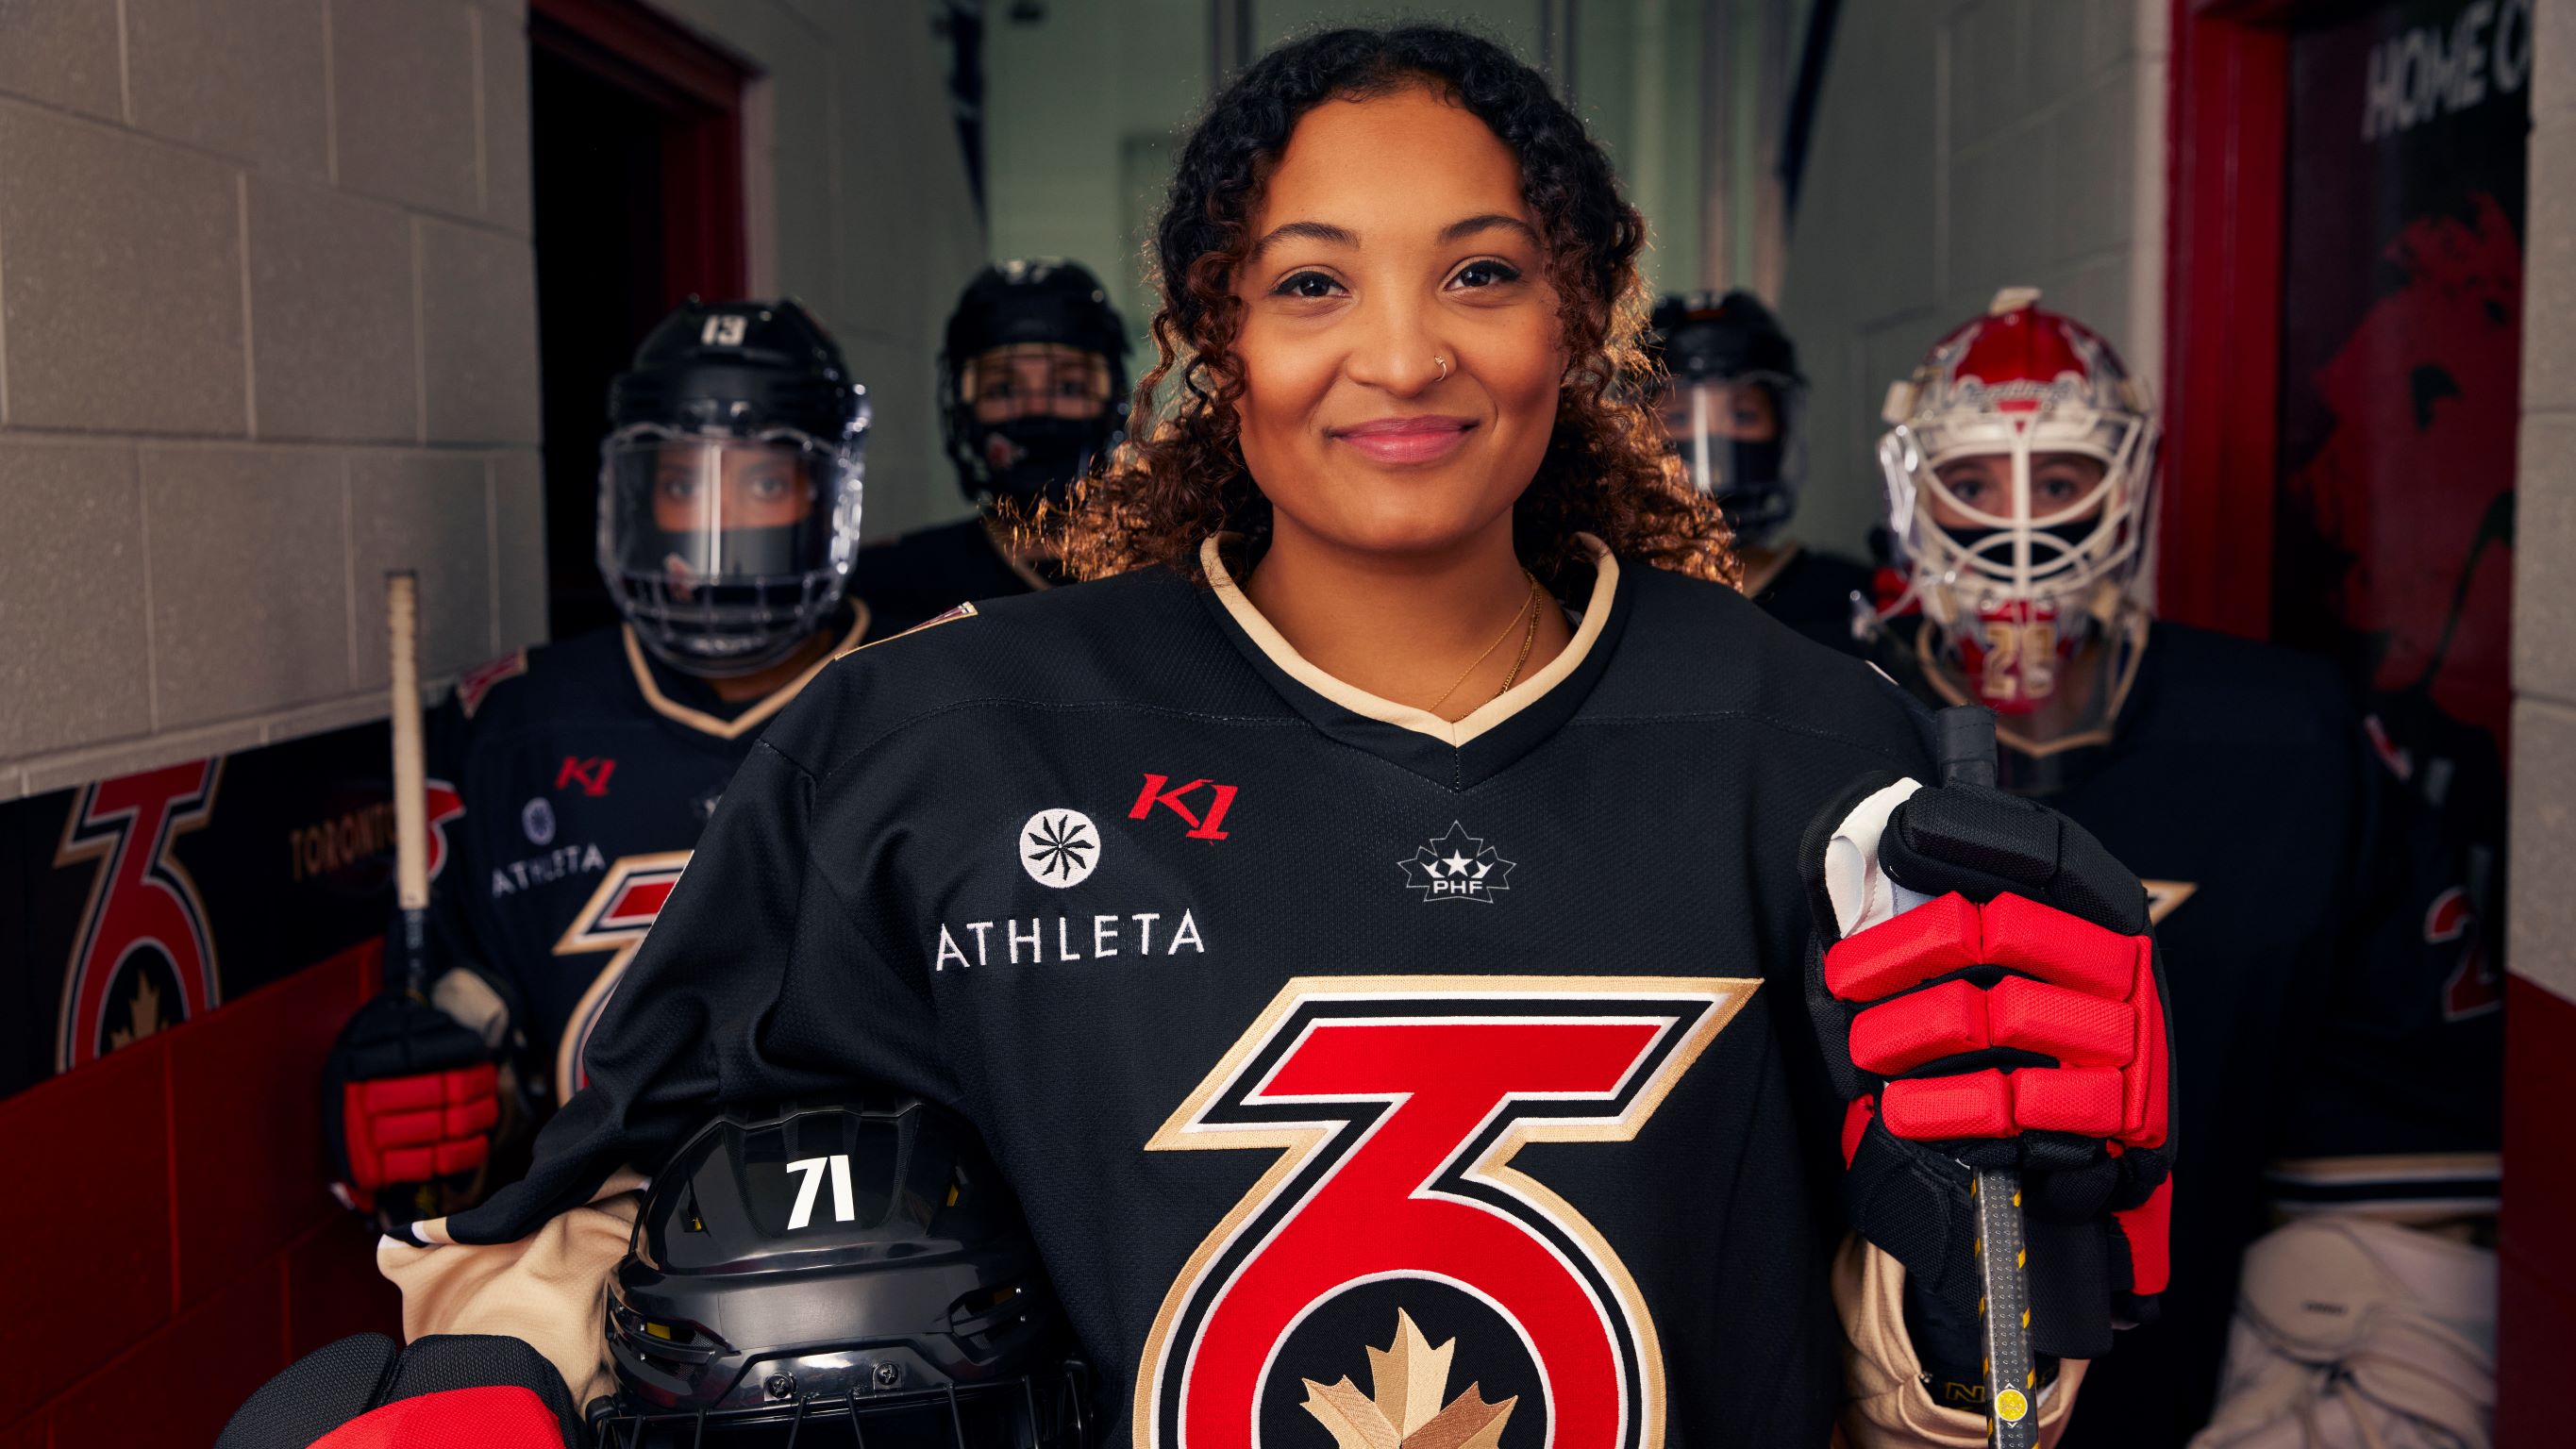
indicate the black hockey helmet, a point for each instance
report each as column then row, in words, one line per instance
column 1009, row 444
column 1733, row 413
column 730, row 485
column 864, row 1262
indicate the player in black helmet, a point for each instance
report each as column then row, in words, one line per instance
column 1032, row 389
column 864, row 1262
column 859, row 1272
column 1735, row 414
column 568, row 783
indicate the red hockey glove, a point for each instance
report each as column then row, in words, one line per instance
column 2015, row 1019
column 366, row 1392
column 409, row 1101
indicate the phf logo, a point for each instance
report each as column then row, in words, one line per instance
column 1457, row 867
column 615, row 918
column 143, row 959
column 1393, row 1237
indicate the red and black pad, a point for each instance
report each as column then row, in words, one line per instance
column 409, row 1095
column 2017, row 1019
column 364, row 1392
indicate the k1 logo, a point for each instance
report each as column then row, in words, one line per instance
column 1396, row 1105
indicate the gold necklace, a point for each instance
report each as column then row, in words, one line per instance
column 1434, row 707
column 1527, row 640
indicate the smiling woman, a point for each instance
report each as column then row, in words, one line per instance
column 1381, row 932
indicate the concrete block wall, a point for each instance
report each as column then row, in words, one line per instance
column 871, row 221
column 2542, row 948
column 1961, row 146
column 267, row 329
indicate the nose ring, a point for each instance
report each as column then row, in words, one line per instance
column 1444, row 367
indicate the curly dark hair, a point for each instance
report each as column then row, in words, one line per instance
column 1606, row 470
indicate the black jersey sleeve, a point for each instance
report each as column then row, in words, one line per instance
column 758, row 985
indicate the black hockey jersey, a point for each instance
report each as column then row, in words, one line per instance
column 2318, row 1024
column 925, row 573
column 567, row 785
column 1811, row 592
column 1302, row 1021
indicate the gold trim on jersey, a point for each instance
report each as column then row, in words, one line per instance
column 1777, row 560
column 758, row 714
column 1596, row 617
column 962, row 611
column 2134, row 624
column 599, row 926
column 2164, row 897
column 1184, row 1131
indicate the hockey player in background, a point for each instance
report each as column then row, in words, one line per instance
column 1032, row 390
column 569, row 782
column 1735, row 412
column 2317, row 981
column 1425, row 951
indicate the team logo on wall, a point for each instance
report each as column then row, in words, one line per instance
column 143, row 958
column 1457, row 867
column 616, row 918
column 1393, row 1240
column 1059, row 847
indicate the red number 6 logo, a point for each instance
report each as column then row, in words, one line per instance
column 1396, row 1105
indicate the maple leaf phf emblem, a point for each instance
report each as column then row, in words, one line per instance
column 1403, row 1409
column 1457, row 866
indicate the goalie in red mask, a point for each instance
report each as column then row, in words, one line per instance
column 2329, row 991
column 2019, row 469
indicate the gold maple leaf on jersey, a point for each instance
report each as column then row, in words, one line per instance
column 1405, row 1412
column 142, row 1015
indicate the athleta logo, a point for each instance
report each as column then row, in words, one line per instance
column 143, row 959
column 1457, row 867
column 1159, row 790
column 1059, row 848
column 591, row 774
column 1396, row 1106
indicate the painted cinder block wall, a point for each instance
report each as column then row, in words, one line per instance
column 268, row 328
column 1961, row 146
column 2538, row 1259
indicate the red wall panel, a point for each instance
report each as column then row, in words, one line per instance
column 91, row 1271
column 184, row 1246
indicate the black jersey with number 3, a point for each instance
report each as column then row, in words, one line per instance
column 1305, row 1024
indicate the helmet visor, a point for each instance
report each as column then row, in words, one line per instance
column 1738, row 439
column 725, row 549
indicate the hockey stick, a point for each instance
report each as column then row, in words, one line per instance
column 411, row 804
column 1967, row 757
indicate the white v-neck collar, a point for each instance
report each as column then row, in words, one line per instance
column 1596, row 616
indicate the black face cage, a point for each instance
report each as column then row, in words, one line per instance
column 1031, row 1411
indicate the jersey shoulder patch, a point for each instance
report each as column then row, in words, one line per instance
column 475, row 684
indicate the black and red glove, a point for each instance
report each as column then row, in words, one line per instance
column 410, row 1097
column 2017, row 1018
column 367, row 1392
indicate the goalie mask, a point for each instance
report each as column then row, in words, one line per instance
column 729, row 485
column 1032, row 381
column 1733, row 410
column 861, row 1263
column 2018, row 473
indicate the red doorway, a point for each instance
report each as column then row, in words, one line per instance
column 2343, row 323
column 637, row 137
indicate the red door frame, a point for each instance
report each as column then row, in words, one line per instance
column 699, row 90
column 2228, row 140
column 2228, row 195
